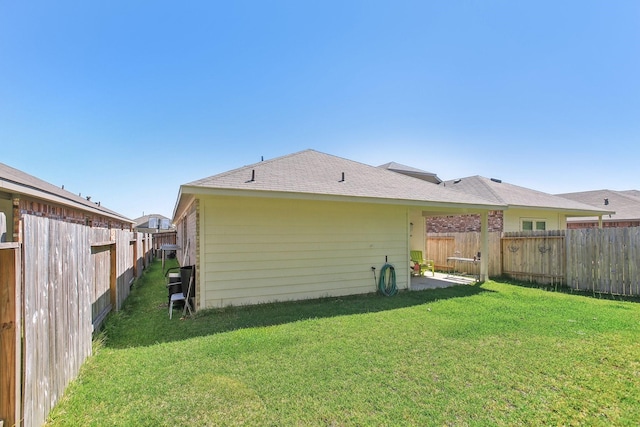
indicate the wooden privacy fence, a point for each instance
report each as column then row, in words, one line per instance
column 534, row 256
column 600, row 260
column 604, row 260
column 440, row 246
column 164, row 238
column 72, row 276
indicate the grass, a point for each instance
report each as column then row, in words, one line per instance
column 490, row 354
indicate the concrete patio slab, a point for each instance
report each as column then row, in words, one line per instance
column 439, row 280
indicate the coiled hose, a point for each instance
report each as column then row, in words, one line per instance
column 387, row 286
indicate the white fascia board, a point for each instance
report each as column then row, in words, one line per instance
column 568, row 212
column 184, row 199
column 444, row 206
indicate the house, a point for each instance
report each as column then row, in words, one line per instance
column 306, row 225
column 626, row 205
column 153, row 223
column 162, row 231
column 21, row 193
column 527, row 209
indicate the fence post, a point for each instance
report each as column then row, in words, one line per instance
column 10, row 323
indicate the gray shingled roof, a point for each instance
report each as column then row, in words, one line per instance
column 634, row 193
column 626, row 204
column 313, row 174
column 15, row 181
column 411, row 171
column 515, row 196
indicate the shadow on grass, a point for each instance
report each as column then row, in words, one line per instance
column 144, row 320
column 566, row 290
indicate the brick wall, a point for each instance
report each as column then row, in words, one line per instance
column 463, row 223
column 605, row 224
column 46, row 209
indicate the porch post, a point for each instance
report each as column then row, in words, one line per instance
column 484, row 245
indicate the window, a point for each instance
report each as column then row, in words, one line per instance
column 533, row 224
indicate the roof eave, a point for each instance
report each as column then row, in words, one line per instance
column 438, row 206
column 182, row 202
column 18, row 189
column 567, row 211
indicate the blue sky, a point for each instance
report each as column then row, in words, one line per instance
column 125, row 101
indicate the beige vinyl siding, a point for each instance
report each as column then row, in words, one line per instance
column 417, row 231
column 513, row 218
column 259, row 250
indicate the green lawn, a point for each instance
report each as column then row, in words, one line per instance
column 491, row 354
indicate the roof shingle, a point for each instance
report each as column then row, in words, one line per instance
column 626, row 204
column 314, row 173
column 516, row 196
column 14, row 180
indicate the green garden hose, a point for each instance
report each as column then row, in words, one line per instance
column 387, row 287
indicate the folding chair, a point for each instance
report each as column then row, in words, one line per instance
column 173, row 282
column 186, row 283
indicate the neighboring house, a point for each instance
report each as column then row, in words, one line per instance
column 411, row 171
column 162, row 231
column 21, row 193
column 153, row 223
column 527, row 209
column 306, row 225
column 626, row 205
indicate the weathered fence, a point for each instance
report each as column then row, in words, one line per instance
column 73, row 275
column 164, row 238
column 600, row 260
column 57, row 310
column 604, row 260
column 534, row 256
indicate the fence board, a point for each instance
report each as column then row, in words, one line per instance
column 10, row 333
